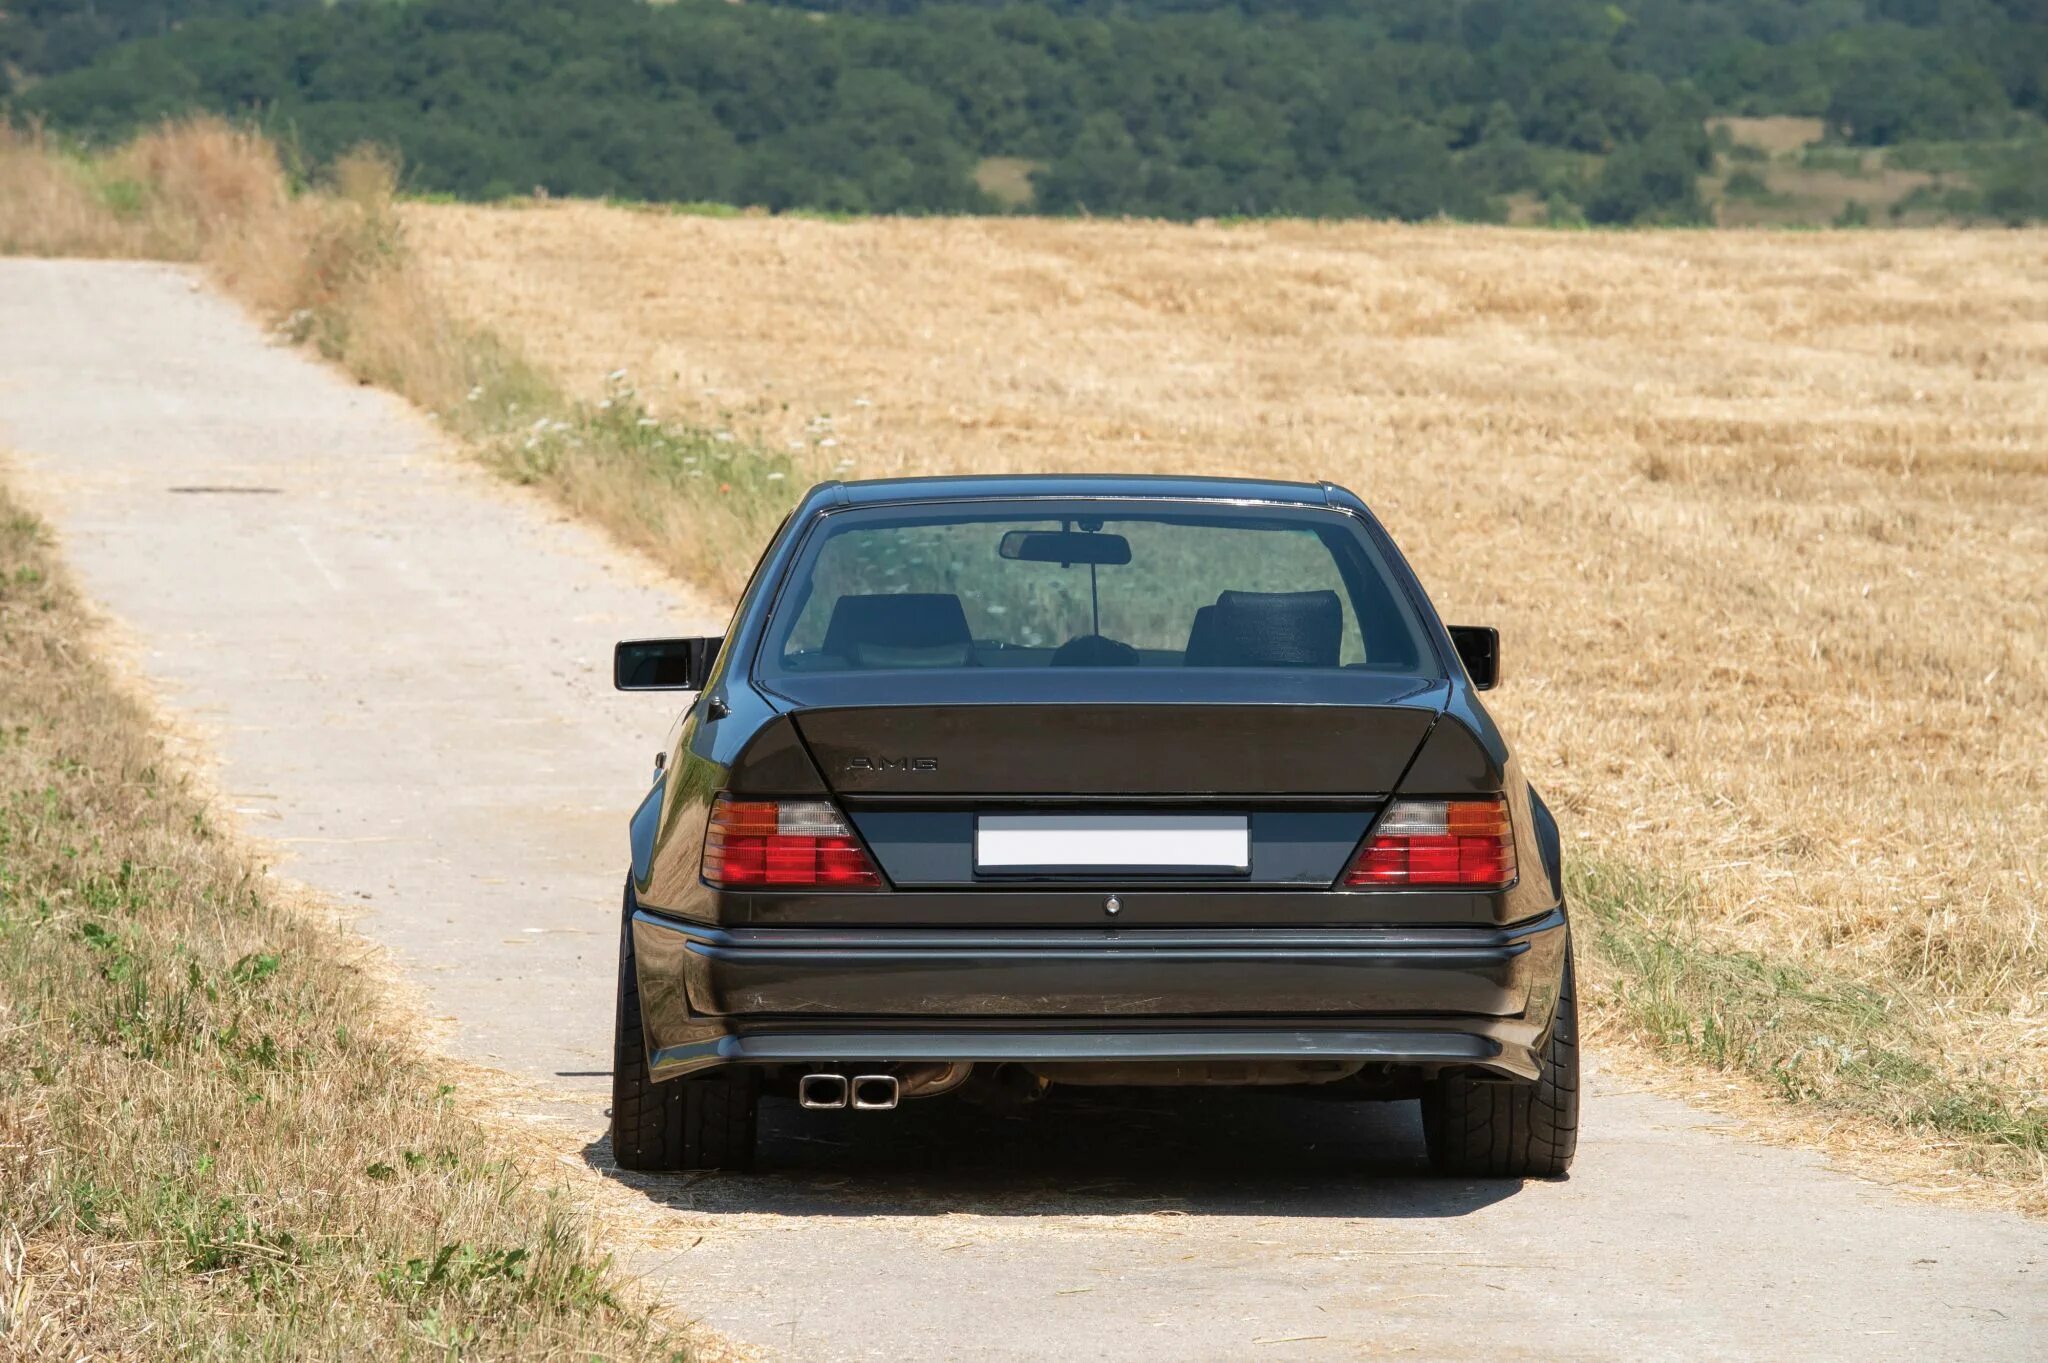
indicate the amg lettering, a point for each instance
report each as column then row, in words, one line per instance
column 892, row 764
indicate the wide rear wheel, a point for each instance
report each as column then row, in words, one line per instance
column 1484, row 1129
column 702, row 1123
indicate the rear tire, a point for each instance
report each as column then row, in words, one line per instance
column 1510, row 1130
column 705, row 1123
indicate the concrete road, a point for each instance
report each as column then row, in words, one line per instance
column 401, row 669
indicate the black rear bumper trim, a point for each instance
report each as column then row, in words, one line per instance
column 1419, row 995
column 1430, row 1045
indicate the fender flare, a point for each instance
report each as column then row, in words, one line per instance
column 1549, row 842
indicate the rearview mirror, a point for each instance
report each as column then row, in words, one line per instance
column 664, row 664
column 1479, row 649
column 1066, row 547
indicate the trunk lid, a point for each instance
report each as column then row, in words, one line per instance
column 1089, row 736
column 1112, row 750
column 1290, row 786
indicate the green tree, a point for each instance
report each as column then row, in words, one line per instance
column 1654, row 181
column 2017, row 191
column 1401, row 169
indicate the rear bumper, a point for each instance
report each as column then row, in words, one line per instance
column 1425, row 996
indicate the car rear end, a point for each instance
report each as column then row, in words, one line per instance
column 1009, row 791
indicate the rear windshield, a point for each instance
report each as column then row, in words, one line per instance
column 987, row 585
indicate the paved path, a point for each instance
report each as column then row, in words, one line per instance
column 402, row 669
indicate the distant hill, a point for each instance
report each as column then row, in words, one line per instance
column 47, row 37
column 1549, row 109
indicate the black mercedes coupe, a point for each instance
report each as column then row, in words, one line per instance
column 1000, row 783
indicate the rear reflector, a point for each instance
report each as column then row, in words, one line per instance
column 784, row 844
column 1461, row 843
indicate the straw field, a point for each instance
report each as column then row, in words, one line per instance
column 1763, row 517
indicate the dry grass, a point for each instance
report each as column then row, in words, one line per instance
column 215, row 1141
column 325, row 267
column 1007, row 179
column 330, row 267
column 1804, row 195
column 1778, row 134
column 1764, row 518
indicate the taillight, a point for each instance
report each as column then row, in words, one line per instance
column 1465, row 843
column 784, row 844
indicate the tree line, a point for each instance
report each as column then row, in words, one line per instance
column 1174, row 108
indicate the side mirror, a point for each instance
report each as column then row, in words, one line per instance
column 1479, row 649
column 664, row 664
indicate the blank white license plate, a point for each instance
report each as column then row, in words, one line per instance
column 1112, row 842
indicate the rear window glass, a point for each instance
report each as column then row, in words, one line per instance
column 1020, row 586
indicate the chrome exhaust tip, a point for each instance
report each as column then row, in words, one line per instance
column 825, row 1092
column 875, row 1092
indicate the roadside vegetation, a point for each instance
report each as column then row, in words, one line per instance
column 321, row 257
column 1723, row 492
column 215, row 1139
column 1810, row 1033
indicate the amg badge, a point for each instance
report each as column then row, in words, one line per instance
column 892, row 764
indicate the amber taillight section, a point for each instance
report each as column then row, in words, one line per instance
column 1463, row 844
column 784, row 844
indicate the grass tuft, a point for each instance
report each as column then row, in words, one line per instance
column 699, row 498
column 1828, row 1041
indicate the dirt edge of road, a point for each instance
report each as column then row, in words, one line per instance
column 552, row 1134
column 41, row 1305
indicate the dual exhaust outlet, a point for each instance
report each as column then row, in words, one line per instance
column 862, row 1093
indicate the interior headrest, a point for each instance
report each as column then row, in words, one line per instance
column 900, row 629
column 1268, row 629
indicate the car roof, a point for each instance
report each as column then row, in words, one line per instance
column 884, row 491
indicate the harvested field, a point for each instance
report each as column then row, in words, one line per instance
column 1763, row 517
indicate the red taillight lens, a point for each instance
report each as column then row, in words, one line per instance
column 1464, row 843
column 784, row 844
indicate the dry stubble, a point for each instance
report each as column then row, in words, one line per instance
column 1763, row 517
